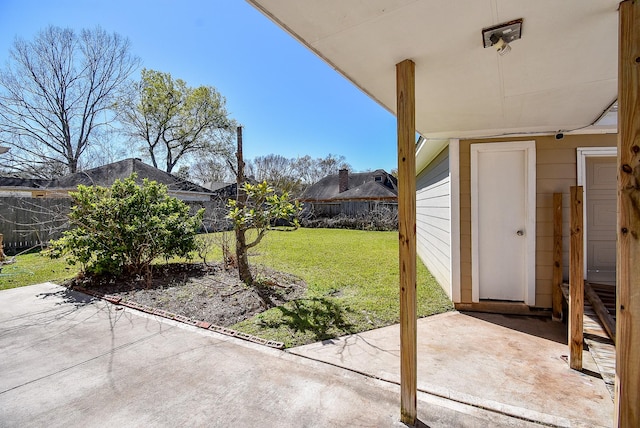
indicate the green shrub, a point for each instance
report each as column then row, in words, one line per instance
column 122, row 229
column 381, row 219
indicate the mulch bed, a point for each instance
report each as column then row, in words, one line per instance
column 202, row 292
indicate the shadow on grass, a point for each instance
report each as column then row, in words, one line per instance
column 322, row 317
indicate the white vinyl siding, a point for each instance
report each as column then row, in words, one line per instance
column 433, row 219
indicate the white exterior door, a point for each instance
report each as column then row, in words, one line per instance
column 503, row 221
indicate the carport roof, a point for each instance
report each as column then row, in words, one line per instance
column 560, row 76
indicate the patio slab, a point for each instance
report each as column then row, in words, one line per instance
column 511, row 364
column 69, row 360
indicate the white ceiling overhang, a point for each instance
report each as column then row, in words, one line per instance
column 560, row 76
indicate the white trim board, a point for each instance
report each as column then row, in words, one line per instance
column 529, row 147
column 454, row 183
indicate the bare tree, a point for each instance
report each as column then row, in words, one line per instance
column 290, row 175
column 311, row 170
column 293, row 175
column 57, row 92
column 218, row 165
column 277, row 170
column 212, row 169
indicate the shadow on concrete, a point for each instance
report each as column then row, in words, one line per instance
column 541, row 327
column 68, row 296
column 591, row 373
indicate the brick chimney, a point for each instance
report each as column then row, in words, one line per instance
column 343, row 180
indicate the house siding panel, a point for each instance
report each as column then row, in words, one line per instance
column 433, row 219
column 555, row 172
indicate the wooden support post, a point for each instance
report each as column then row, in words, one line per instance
column 2, row 256
column 557, row 258
column 627, row 397
column 405, row 80
column 576, row 280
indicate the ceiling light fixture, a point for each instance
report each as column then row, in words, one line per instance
column 500, row 36
column 501, row 46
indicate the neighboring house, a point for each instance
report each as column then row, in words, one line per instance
column 23, row 187
column 33, row 211
column 377, row 185
column 350, row 193
column 103, row 176
column 226, row 191
column 222, row 190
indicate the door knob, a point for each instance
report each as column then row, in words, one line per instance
column 520, row 232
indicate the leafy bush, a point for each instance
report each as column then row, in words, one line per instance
column 380, row 219
column 122, row 229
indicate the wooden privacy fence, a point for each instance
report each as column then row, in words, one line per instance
column 348, row 208
column 30, row 222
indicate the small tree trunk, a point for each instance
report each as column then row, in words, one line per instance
column 241, row 242
column 241, row 254
column 2, row 256
column 73, row 165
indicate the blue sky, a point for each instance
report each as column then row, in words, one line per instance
column 288, row 100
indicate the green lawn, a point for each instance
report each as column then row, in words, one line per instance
column 352, row 279
column 34, row 268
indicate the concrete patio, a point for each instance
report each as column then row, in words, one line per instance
column 511, row 364
column 69, row 360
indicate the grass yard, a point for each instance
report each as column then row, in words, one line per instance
column 352, row 279
column 34, row 268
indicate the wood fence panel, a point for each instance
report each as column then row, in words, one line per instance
column 29, row 222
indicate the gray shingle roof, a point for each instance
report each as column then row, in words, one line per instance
column 31, row 183
column 362, row 185
column 368, row 190
column 105, row 176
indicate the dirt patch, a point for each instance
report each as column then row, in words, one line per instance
column 206, row 293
